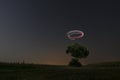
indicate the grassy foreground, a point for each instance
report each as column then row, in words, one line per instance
column 102, row 71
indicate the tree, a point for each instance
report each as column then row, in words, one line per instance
column 77, row 52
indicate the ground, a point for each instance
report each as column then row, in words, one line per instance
column 101, row 71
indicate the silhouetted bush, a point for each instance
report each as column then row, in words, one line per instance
column 75, row 63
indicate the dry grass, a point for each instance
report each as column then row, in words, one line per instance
column 47, row 72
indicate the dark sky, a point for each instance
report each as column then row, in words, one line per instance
column 35, row 30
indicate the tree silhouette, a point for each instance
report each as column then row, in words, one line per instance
column 77, row 52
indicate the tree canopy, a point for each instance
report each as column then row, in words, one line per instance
column 78, row 51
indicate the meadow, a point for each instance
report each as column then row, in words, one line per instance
column 100, row 71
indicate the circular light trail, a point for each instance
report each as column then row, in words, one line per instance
column 75, row 34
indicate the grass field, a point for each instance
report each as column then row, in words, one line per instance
column 101, row 71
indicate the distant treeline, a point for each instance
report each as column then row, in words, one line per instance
column 17, row 66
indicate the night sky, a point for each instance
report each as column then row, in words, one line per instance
column 35, row 30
